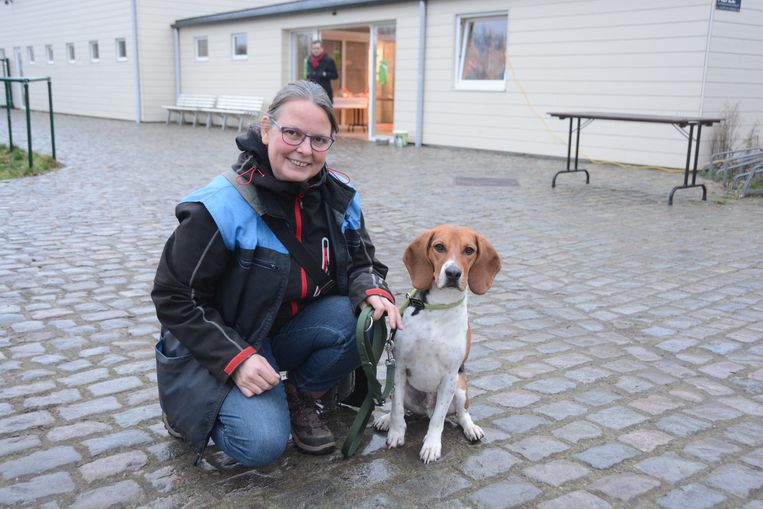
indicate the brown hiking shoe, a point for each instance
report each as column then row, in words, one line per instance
column 308, row 427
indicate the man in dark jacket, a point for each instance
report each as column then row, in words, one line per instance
column 321, row 68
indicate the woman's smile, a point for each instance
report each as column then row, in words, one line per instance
column 290, row 162
column 300, row 164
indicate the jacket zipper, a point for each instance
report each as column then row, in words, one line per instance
column 298, row 234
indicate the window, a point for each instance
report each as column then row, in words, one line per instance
column 70, row 52
column 2, row 53
column 238, row 41
column 49, row 52
column 481, row 62
column 95, row 55
column 30, row 54
column 202, row 48
column 121, row 46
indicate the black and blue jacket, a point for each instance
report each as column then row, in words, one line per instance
column 223, row 280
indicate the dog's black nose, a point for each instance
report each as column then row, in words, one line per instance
column 453, row 273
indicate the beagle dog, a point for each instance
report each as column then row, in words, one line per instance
column 431, row 350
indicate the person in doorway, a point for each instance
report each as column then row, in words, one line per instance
column 236, row 306
column 321, row 68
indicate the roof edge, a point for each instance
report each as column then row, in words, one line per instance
column 303, row 6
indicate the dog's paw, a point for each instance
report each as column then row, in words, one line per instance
column 395, row 438
column 474, row 433
column 381, row 423
column 430, row 451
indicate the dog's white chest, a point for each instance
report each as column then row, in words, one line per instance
column 432, row 346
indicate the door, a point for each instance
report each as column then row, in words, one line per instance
column 18, row 96
column 334, row 49
column 382, row 107
column 349, row 47
column 364, row 93
column 300, row 53
column 5, row 71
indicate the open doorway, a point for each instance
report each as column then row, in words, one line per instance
column 365, row 61
column 383, row 82
column 350, row 48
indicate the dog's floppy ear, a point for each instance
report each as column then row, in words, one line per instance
column 483, row 271
column 417, row 262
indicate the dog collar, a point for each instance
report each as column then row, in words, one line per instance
column 419, row 304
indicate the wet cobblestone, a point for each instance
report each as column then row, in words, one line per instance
column 616, row 362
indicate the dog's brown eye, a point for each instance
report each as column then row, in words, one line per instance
column 469, row 251
column 439, row 248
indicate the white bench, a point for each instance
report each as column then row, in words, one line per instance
column 236, row 106
column 189, row 103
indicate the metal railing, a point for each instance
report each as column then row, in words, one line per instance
column 733, row 167
column 8, row 100
column 747, row 177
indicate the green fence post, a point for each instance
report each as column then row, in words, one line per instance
column 52, row 129
column 28, row 122
column 8, row 109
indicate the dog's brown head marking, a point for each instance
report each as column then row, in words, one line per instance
column 452, row 256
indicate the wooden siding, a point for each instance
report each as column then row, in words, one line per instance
column 610, row 55
column 102, row 89
column 157, row 54
column 735, row 66
column 105, row 88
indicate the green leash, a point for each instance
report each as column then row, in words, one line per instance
column 370, row 350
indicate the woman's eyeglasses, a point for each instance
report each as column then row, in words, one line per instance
column 294, row 137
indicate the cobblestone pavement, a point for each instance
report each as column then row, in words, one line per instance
column 617, row 361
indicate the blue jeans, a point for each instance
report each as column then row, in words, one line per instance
column 317, row 348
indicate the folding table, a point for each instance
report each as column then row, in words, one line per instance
column 679, row 122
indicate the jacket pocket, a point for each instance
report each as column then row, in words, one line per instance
column 188, row 392
column 264, row 264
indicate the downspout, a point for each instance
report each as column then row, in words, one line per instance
column 176, row 43
column 707, row 59
column 136, row 62
column 420, row 73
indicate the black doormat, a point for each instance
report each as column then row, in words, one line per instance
column 485, row 182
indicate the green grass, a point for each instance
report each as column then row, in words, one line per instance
column 725, row 200
column 16, row 164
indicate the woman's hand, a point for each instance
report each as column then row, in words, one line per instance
column 255, row 376
column 381, row 306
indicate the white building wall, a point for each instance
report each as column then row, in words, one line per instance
column 155, row 40
column 610, row 55
column 735, row 66
column 103, row 88
column 573, row 55
column 266, row 70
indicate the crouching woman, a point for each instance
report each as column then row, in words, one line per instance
column 238, row 307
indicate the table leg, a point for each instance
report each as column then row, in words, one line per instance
column 569, row 149
column 690, row 167
column 569, row 145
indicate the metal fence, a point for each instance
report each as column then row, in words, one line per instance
column 25, row 83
